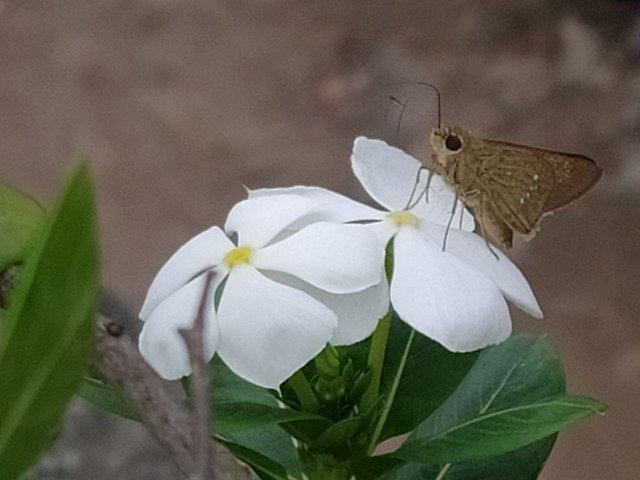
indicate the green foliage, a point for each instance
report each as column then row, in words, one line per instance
column 522, row 464
column 269, row 451
column 238, row 405
column 47, row 331
column 430, row 376
column 21, row 217
column 500, row 422
column 246, row 419
column 106, row 397
column 249, row 421
column 492, row 415
column 512, row 397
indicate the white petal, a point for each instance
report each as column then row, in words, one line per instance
column 269, row 330
column 358, row 313
column 472, row 249
column 202, row 252
column 334, row 257
column 258, row 220
column 160, row 343
column 386, row 173
column 438, row 206
column 332, row 207
column 384, row 230
column 444, row 298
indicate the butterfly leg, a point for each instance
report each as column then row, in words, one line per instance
column 411, row 202
column 453, row 214
column 426, row 190
column 435, row 167
column 461, row 218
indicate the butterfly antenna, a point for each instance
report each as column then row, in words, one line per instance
column 437, row 92
column 403, row 109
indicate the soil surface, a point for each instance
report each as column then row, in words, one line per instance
column 181, row 102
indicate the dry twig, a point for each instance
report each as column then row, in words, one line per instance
column 200, row 387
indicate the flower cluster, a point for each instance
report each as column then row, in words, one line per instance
column 307, row 269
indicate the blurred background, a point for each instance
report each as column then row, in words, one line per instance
column 181, row 102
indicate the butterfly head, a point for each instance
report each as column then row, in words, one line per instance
column 447, row 143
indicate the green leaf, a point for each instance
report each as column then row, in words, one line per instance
column 341, row 437
column 47, row 331
column 248, row 418
column 106, row 397
column 268, row 450
column 239, row 405
column 522, row 464
column 339, row 433
column 263, row 466
column 431, row 375
column 239, row 416
column 228, row 387
column 20, row 218
column 500, row 431
column 512, row 397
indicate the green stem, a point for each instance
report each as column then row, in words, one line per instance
column 443, row 471
column 308, row 400
column 375, row 361
column 392, row 393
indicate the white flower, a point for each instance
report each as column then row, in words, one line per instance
column 263, row 329
column 455, row 296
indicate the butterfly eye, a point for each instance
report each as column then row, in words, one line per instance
column 453, row 143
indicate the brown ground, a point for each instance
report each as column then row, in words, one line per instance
column 179, row 103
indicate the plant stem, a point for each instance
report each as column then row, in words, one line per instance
column 392, row 393
column 443, row 471
column 375, row 361
column 308, row 400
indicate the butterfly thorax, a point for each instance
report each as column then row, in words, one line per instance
column 452, row 147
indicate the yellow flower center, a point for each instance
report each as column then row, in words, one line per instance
column 404, row 218
column 238, row 256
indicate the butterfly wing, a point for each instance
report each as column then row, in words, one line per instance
column 492, row 226
column 515, row 183
column 574, row 175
